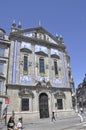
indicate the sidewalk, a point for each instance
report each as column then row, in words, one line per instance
column 60, row 124
column 80, row 126
column 2, row 125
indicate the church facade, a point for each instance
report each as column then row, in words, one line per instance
column 39, row 74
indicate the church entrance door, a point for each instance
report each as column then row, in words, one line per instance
column 43, row 106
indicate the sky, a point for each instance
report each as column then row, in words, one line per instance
column 64, row 17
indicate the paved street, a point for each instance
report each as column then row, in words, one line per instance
column 60, row 124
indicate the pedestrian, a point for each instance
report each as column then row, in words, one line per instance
column 11, row 124
column 80, row 115
column 19, row 124
column 81, row 110
column 53, row 116
column 4, row 116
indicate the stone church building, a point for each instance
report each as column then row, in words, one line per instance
column 39, row 74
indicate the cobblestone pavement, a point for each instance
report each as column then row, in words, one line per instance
column 46, row 124
column 80, row 126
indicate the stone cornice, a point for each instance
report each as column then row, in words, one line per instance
column 3, row 96
column 41, row 53
column 38, row 29
column 19, row 86
column 7, row 42
column 2, row 76
column 4, row 57
column 18, row 35
column 37, row 41
column 25, row 50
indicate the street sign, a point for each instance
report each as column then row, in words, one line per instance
column 6, row 100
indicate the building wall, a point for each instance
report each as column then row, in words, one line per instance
column 15, row 104
column 62, row 77
column 4, row 61
column 33, row 83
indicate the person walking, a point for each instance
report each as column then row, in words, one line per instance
column 53, row 116
column 80, row 114
column 11, row 124
column 19, row 124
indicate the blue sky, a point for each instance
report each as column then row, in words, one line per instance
column 65, row 17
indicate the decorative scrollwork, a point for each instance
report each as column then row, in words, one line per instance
column 26, row 92
column 59, row 94
column 43, row 83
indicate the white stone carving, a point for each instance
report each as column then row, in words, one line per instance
column 26, row 45
column 25, row 79
column 57, row 81
column 54, row 51
column 41, row 48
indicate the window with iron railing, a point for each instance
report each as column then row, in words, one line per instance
column 59, row 104
column 25, row 104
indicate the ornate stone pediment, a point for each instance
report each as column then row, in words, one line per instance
column 55, row 56
column 2, row 76
column 43, row 83
column 59, row 94
column 41, row 53
column 25, row 50
column 26, row 92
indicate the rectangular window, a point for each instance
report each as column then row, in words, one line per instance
column 25, row 104
column 59, row 104
column 0, row 109
column 2, row 51
column 40, row 36
column 0, row 87
column 55, row 67
column 44, row 37
column 1, row 67
column 26, row 63
column 35, row 35
column 41, row 65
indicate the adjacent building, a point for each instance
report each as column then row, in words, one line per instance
column 4, row 61
column 81, row 94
